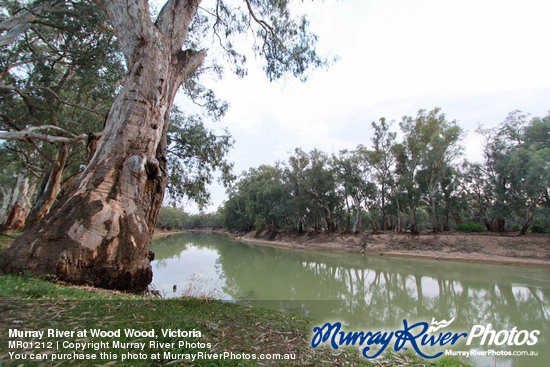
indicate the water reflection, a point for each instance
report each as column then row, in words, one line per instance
column 365, row 292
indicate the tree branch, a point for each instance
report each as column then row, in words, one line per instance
column 189, row 61
column 32, row 106
column 174, row 19
column 261, row 22
column 131, row 22
column 19, row 23
column 30, row 133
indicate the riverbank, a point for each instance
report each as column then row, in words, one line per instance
column 507, row 249
column 212, row 327
column 161, row 233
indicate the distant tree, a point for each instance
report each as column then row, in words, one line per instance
column 432, row 145
column 517, row 161
column 171, row 218
column 382, row 159
column 314, row 186
column 259, row 200
column 454, row 197
column 349, row 173
column 408, row 163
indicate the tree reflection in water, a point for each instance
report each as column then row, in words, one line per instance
column 372, row 292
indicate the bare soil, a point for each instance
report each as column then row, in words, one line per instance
column 506, row 248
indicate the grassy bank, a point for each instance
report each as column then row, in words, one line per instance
column 31, row 304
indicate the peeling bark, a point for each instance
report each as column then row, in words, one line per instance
column 16, row 204
column 100, row 234
column 48, row 190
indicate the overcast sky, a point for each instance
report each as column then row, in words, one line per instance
column 476, row 59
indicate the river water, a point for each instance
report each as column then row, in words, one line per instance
column 365, row 292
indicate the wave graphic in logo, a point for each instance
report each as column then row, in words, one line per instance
column 439, row 325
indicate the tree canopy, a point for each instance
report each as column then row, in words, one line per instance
column 413, row 184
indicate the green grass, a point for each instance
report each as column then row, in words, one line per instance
column 28, row 303
column 7, row 240
column 17, row 287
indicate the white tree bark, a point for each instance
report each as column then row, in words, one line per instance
column 37, row 133
column 49, row 188
column 16, row 204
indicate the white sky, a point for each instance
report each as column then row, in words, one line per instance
column 476, row 59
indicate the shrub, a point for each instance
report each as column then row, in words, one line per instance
column 516, row 228
column 259, row 223
column 538, row 229
column 471, row 227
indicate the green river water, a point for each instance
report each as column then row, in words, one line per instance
column 366, row 293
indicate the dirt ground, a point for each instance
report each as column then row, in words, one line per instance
column 507, row 248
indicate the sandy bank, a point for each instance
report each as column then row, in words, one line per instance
column 510, row 249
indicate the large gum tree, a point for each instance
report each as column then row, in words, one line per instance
column 100, row 231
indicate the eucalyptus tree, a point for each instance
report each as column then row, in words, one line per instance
column 268, row 198
column 101, row 232
column 456, row 200
column 293, row 179
column 259, row 200
column 432, row 143
column 314, row 187
column 16, row 188
column 60, row 72
column 382, row 159
column 517, row 167
column 407, row 156
column 347, row 169
column 361, row 184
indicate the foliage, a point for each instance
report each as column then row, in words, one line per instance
column 516, row 173
column 174, row 218
column 194, row 154
column 258, row 200
column 299, row 194
column 58, row 79
column 516, row 228
column 170, row 218
column 470, row 227
column 413, row 184
column 63, row 73
column 431, row 145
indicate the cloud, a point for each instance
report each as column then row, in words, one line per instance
column 478, row 61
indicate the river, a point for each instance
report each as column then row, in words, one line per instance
column 368, row 293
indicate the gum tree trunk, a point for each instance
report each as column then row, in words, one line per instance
column 100, row 232
column 16, row 204
column 49, row 188
column 357, row 224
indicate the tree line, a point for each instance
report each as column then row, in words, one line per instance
column 171, row 218
column 411, row 184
